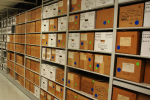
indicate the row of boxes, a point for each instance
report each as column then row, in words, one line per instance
column 34, row 15
column 93, row 62
column 99, row 89
column 20, row 48
column 35, row 78
column 53, row 73
column 136, row 70
column 10, row 56
column 19, row 70
column 54, row 40
column 20, row 59
column 10, row 38
column 33, row 65
column 11, row 73
column 10, row 64
column 54, row 55
column 10, row 46
column 20, row 18
column 20, row 28
column 32, row 88
column 33, row 27
column 45, row 96
column 19, row 38
column 123, row 94
column 33, row 39
column 20, row 79
column 33, row 51
column 51, row 87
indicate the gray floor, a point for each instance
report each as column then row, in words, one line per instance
column 9, row 91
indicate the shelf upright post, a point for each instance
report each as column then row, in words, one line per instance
column 113, row 50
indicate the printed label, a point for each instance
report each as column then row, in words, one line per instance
column 53, row 51
column 121, row 97
column 84, row 37
column 49, row 97
column 60, row 3
column 70, row 76
column 42, row 92
column 43, row 36
column 52, row 22
column 128, row 67
column 74, row 2
column 71, row 55
column 82, row 56
column 57, row 88
column 71, row 18
column 59, row 36
column 125, row 41
column 98, row 59
column 50, row 83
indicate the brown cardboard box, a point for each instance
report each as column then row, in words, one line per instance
column 20, row 18
column 43, row 95
column 38, row 26
column 71, row 95
column 29, row 16
column 16, row 67
column 102, row 64
column 33, row 15
column 16, row 29
column 52, row 87
column 27, row 85
column 8, row 55
column 33, row 65
column 119, row 93
column 62, row 7
column 8, row 46
column 73, row 59
column 60, row 75
column 17, row 58
column 53, row 24
column 147, row 71
column 21, row 60
column 32, row 28
column 19, row 38
column 37, row 51
column 101, row 90
column 49, row 97
column 20, row 28
column 33, row 39
column 28, row 48
column 36, row 79
column 16, row 38
column 38, row 13
column 12, row 56
column 23, row 18
column 80, row 97
column 28, row 27
column 87, row 41
column 53, row 57
column 73, row 80
column 23, row 28
column 59, row 92
column 17, row 19
column 61, row 40
column 38, row 38
column 130, row 69
column 131, row 16
column 31, row 76
column 128, row 42
column 27, row 74
column 87, row 85
column 37, row 69
column 105, row 18
column 74, row 22
column 33, row 51
column 45, row 39
column 32, row 87
column 48, row 53
column 22, row 38
column 75, row 5
column 143, row 97
column 28, row 38
column 87, row 61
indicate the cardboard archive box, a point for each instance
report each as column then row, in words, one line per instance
column 105, row 21
column 33, row 65
column 130, row 69
column 87, row 20
column 61, row 40
column 37, row 69
column 74, row 40
column 62, row 23
column 29, row 16
column 131, row 16
column 45, row 25
column 27, row 86
column 44, row 83
column 52, row 87
column 53, row 24
column 33, row 15
column 50, row 97
column 36, row 79
column 48, row 54
column 147, row 71
column 52, row 72
column 53, row 56
column 103, row 2
column 27, row 74
column 102, row 64
column 28, row 27
column 33, row 38
column 60, row 56
column 31, row 76
column 52, row 40
column 28, row 50
column 23, row 28
column 43, row 95
column 28, row 38
column 43, row 53
column 37, row 91
column 37, row 51
column 143, row 97
column 59, row 92
column 128, row 42
column 121, row 94
column 22, row 38
column 75, row 5
column 80, row 97
column 101, row 90
column 71, row 95
column 46, row 11
column 60, row 75
column 87, row 61
column 38, row 38
column 62, row 7
column 45, row 39
column 33, row 50
column 87, row 41
column 32, row 27
column 73, row 59
column 38, row 13
column 28, row 63
column 38, row 26
column 88, row 4
column 74, row 22
column 74, row 81
column 12, row 56
column 54, row 9
column 88, row 88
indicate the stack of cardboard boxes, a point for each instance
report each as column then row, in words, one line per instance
column 33, row 39
column 19, row 70
column 20, row 80
column 19, row 38
column 10, row 46
column 10, row 56
column 33, row 51
column 33, row 27
column 20, row 59
column 20, row 48
column 20, row 29
column 10, row 64
column 20, row 18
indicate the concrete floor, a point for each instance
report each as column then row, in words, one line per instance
column 9, row 91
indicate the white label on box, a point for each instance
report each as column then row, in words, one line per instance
column 71, row 18
column 59, row 36
column 71, row 54
column 57, row 88
column 125, row 41
column 84, row 37
column 128, row 67
column 82, row 56
column 70, row 76
column 60, row 3
column 147, row 14
column 50, row 83
column 49, row 97
column 98, row 59
column 74, row 40
column 87, row 4
column 42, row 92
column 51, row 21
column 121, row 97
column 73, row 1
column 53, row 51
column 43, row 36
column 103, row 2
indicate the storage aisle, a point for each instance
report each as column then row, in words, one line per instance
column 8, row 91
